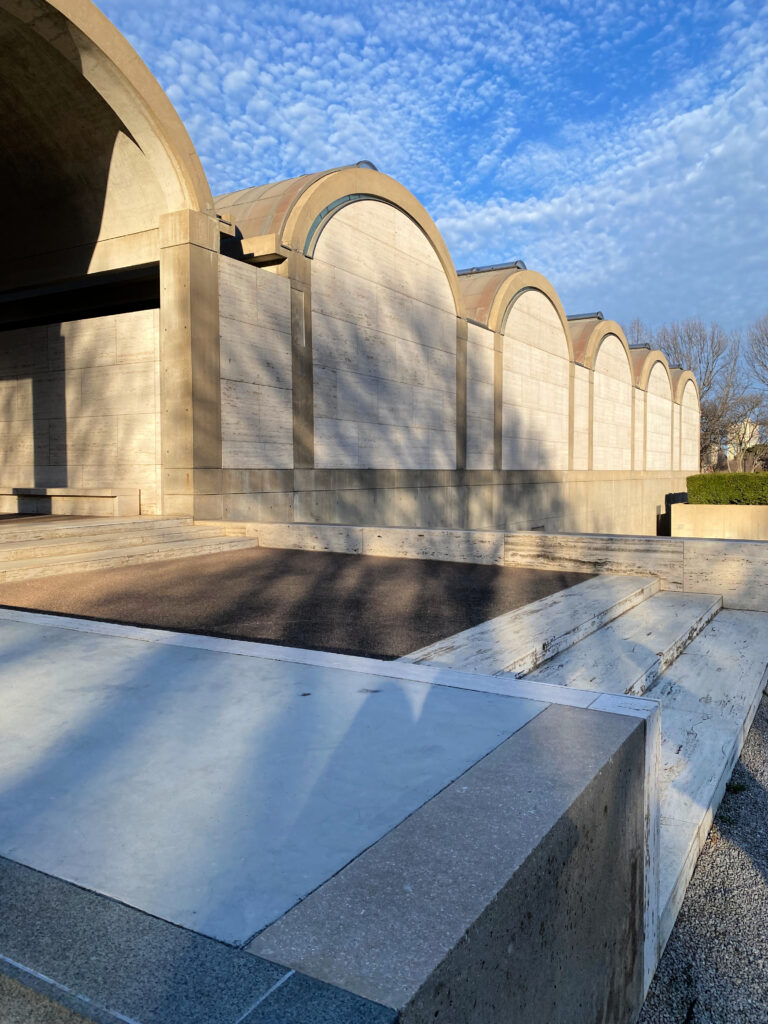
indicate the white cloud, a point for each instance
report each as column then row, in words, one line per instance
column 620, row 148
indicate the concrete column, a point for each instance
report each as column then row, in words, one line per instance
column 302, row 363
column 571, row 412
column 591, row 462
column 645, row 431
column 190, row 386
column 498, row 398
column 633, row 403
column 461, row 394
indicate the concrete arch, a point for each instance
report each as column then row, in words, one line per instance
column 608, row 358
column 384, row 343
column 291, row 215
column 588, row 335
column 661, row 426
column 680, row 381
column 488, row 296
column 99, row 152
column 643, row 362
column 522, row 308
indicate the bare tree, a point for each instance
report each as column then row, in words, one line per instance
column 733, row 413
column 757, row 353
column 705, row 349
column 639, row 333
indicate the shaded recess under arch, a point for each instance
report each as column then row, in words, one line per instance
column 95, row 158
column 98, row 152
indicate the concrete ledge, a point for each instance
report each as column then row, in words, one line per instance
column 515, row 894
column 736, row 569
column 112, row 964
column 590, row 552
column 73, row 501
column 476, row 546
column 725, row 522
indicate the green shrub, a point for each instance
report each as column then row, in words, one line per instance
column 728, row 489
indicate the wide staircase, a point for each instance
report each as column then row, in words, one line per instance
column 41, row 546
column 620, row 634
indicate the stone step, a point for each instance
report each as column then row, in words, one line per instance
column 708, row 697
column 628, row 654
column 85, row 542
column 151, row 552
column 520, row 640
column 45, row 529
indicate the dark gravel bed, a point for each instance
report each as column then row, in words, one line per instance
column 352, row 604
column 715, row 967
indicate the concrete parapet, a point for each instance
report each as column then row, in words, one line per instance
column 726, row 522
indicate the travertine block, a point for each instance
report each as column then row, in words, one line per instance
column 118, row 389
column 255, row 354
column 736, row 569
column 137, row 336
column 250, row 454
column 82, row 343
column 252, row 295
column 91, row 439
column 136, row 439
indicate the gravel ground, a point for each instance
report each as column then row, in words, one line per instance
column 715, row 967
column 352, row 604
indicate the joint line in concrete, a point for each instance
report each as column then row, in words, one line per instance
column 267, row 994
column 70, row 992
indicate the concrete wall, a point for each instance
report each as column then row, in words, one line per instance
column 79, row 405
column 624, row 502
column 732, row 522
column 535, row 389
column 256, row 372
column 737, row 570
column 384, row 344
column 612, row 407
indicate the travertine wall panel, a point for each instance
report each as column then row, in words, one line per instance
column 658, row 433
column 639, row 440
column 480, row 388
column 675, row 436
column 535, row 386
column 581, row 385
column 612, row 407
column 384, row 344
column 689, row 429
column 79, row 405
column 256, row 380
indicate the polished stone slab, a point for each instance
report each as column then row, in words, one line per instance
column 212, row 790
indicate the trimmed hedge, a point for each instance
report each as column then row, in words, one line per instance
column 728, row 489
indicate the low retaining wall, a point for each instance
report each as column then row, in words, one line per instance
column 737, row 570
column 727, row 522
column 552, row 501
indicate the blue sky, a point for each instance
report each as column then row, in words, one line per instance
column 621, row 149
